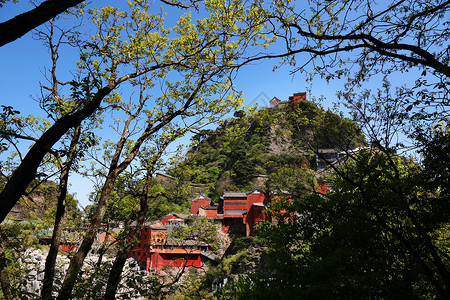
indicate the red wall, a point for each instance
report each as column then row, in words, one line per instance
column 196, row 203
column 323, row 187
column 145, row 253
column 211, row 213
column 167, row 218
column 297, row 97
column 159, row 260
column 256, row 197
column 254, row 216
column 141, row 250
column 274, row 102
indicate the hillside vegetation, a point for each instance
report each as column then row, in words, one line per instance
column 264, row 142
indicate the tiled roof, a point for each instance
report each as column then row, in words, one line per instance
column 181, row 216
column 234, row 194
column 201, row 197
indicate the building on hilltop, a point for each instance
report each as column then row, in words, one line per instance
column 296, row 98
column 292, row 101
column 274, row 102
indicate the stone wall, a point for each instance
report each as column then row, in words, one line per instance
column 34, row 263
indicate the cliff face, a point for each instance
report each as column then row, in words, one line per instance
column 245, row 255
column 36, row 203
column 279, row 140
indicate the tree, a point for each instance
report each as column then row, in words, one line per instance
column 23, row 23
column 109, row 61
column 377, row 236
column 189, row 62
column 365, row 39
column 379, row 233
column 436, row 161
column 44, row 12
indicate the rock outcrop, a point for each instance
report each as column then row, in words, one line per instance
column 34, row 263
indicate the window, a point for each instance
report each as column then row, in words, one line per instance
column 235, row 211
column 235, row 203
column 235, row 198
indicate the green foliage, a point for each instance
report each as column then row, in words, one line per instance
column 436, row 159
column 201, row 231
column 242, row 147
column 194, row 287
column 359, row 41
column 379, row 235
column 17, row 238
column 164, row 197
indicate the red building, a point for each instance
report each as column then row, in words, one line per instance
column 234, row 204
column 296, row 98
column 151, row 232
column 234, row 208
column 175, row 254
column 155, row 251
column 67, row 244
column 242, row 209
column 174, row 219
column 256, row 206
column 198, row 202
column 211, row 212
column 274, row 102
column 293, row 101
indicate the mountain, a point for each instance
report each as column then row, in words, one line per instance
column 255, row 146
column 40, row 204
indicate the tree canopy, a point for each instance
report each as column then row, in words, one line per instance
column 156, row 80
column 382, row 229
column 380, row 234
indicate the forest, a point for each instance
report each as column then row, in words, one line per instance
column 122, row 85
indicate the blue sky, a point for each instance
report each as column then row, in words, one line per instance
column 24, row 61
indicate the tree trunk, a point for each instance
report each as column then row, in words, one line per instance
column 77, row 261
column 116, row 270
column 124, row 252
column 19, row 25
column 26, row 171
column 49, row 271
column 4, row 278
column 119, row 262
